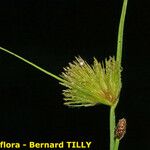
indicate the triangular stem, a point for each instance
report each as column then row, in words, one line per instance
column 120, row 32
column 113, row 143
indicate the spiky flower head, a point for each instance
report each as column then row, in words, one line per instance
column 88, row 85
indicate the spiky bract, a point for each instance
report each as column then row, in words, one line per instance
column 90, row 85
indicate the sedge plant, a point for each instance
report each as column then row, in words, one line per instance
column 89, row 85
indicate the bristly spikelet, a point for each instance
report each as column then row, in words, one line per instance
column 90, row 85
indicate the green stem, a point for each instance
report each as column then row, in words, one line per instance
column 32, row 64
column 116, row 145
column 120, row 32
column 112, row 126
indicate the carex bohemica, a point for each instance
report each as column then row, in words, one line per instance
column 88, row 85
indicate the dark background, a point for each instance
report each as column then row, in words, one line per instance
column 50, row 33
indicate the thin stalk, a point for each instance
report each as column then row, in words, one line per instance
column 112, row 126
column 120, row 32
column 32, row 64
column 116, row 145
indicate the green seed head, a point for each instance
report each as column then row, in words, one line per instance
column 88, row 85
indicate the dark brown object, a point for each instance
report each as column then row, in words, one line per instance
column 120, row 129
